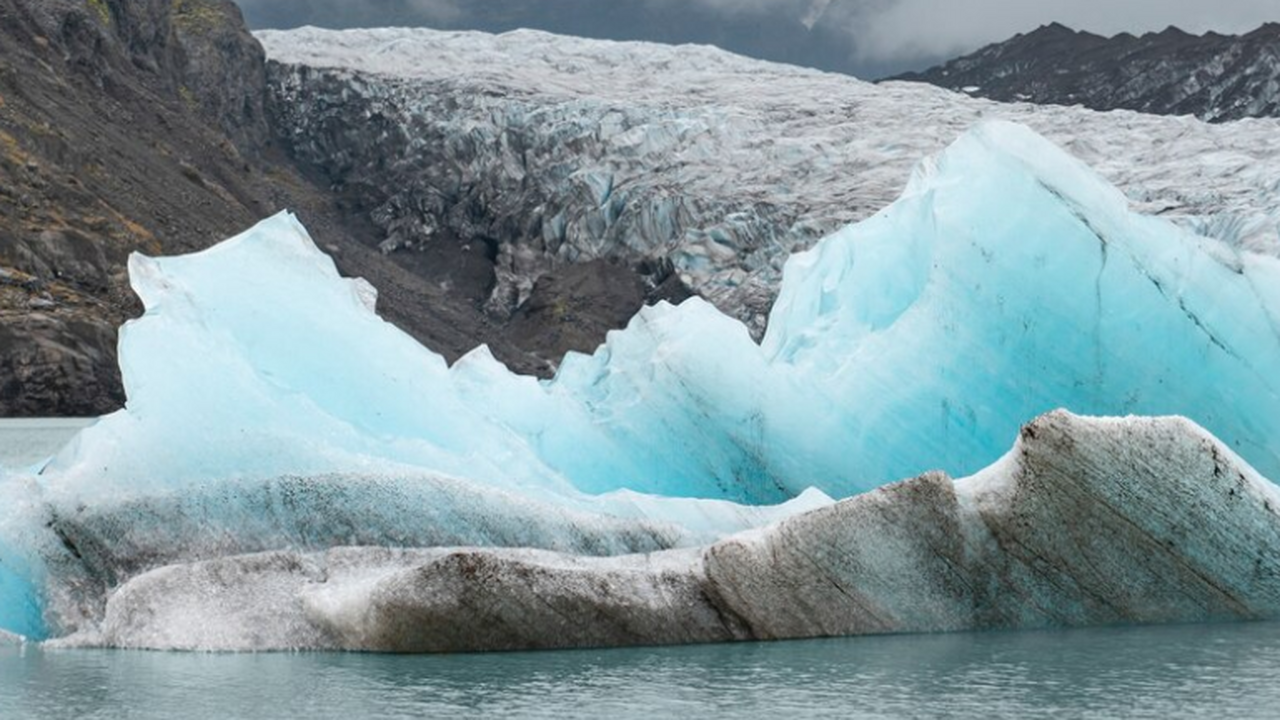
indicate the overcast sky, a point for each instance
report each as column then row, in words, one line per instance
column 867, row 37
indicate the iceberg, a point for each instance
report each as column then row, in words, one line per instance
column 270, row 409
column 1085, row 522
column 1008, row 281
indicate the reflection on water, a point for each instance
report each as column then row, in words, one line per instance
column 1170, row 672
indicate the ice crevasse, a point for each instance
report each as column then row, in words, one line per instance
column 269, row 407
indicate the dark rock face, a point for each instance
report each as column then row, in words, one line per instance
column 224, row 68
column 198, row 51
column 115, row 119
column 58, row 366
column 1214, row 77
column 572, row 308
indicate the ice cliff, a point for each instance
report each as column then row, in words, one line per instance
column 270, row 410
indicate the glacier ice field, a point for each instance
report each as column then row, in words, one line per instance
column 578, row 149
column 270, row 407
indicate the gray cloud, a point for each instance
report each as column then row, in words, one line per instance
column 350, row 13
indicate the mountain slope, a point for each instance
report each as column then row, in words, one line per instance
column 1214, row 77
column 116, row 122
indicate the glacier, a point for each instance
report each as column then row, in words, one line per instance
column 270, row 410
column 560, row 150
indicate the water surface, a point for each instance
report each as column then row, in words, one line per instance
column 1165, row 673
column 25, row 442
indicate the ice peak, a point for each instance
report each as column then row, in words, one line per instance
column 1008, row 147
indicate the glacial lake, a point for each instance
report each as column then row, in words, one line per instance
column 24, row 442
column 1163, row 672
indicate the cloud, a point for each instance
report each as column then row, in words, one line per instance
column 873, row 36
column 739, row 7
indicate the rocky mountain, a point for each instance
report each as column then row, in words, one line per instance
column 140, row 125
column 553, row 151
column 1214, row 77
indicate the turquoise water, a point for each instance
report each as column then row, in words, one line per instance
column 1171, row 672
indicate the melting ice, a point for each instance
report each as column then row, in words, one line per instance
column 269, row 407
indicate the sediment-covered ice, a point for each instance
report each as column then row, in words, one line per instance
column 270, row 409
column 1086, row 522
